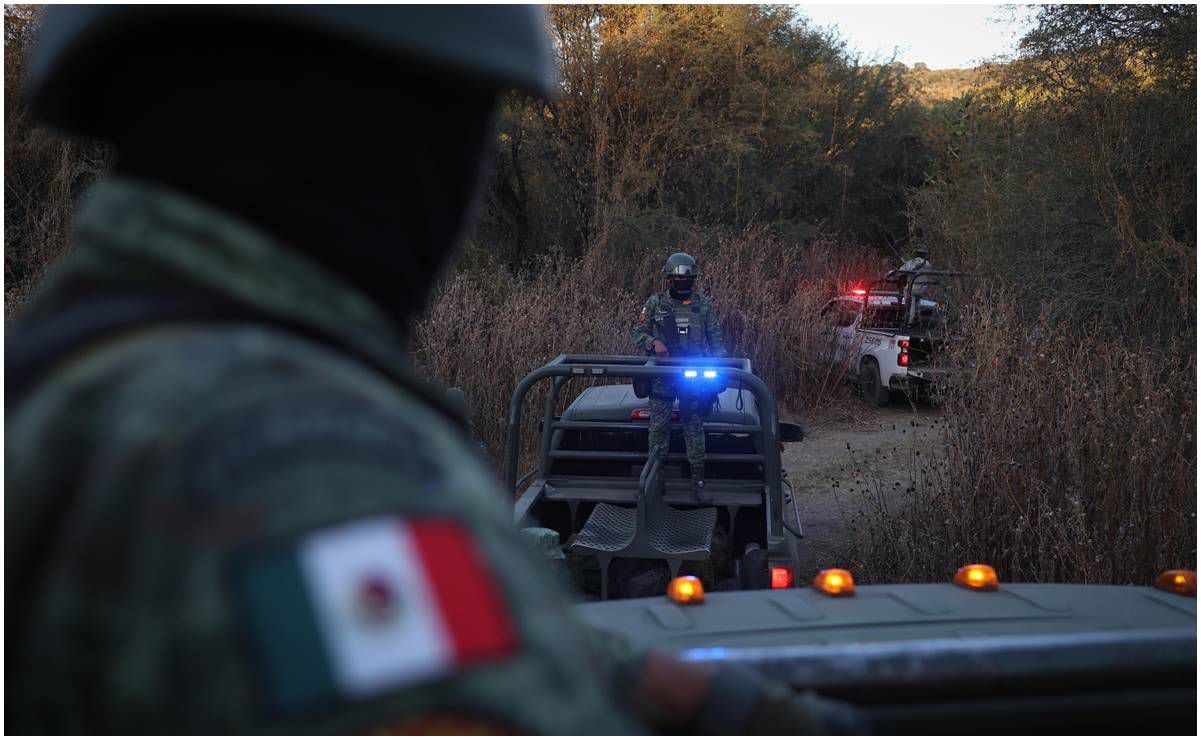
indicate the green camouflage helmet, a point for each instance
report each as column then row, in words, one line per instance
column 680, row 265
column 501, row 46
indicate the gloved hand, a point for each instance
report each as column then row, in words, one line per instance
column 683, row 697
column 782, row 711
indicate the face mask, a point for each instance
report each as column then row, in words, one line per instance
column 682, row 286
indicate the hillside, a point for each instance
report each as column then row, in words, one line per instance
column 930, row 86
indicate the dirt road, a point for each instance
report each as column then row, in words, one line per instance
column 856, row 460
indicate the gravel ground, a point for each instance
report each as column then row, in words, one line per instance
column 855, row 457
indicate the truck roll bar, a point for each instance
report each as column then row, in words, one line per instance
column 733, row 370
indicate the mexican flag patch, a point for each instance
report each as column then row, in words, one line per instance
column 367, row 607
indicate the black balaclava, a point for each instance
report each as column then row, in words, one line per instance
column 365, row 163
column 682, row 291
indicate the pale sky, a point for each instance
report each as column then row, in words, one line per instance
column 942, row 36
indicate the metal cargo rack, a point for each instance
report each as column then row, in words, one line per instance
column 907, row 313
column 625, row 522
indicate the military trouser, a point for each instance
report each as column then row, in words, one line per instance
column 663, row 395
column 912, row 312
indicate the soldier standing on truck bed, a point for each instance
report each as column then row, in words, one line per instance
column 231, row 507
column 912, row 272
column 680, row 322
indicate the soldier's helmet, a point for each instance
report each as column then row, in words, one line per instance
column 922, row 250
column 501, row 46
column 681, row 272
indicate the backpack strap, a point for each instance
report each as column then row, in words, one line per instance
column 35, row 349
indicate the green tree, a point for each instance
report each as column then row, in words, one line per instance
column 1072, row 176
column 674, row 118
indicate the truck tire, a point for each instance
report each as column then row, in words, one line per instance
column 869, row 383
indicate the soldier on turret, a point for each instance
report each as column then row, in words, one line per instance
column 680, row 322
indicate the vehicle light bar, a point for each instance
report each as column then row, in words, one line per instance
column 781, row 577
column 977, row 577
column 689, row 373
column 686, row 590
column 835, row 582
column 710, row 374
column 1183, row 582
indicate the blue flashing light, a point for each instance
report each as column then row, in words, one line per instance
column 705, row 654
column 710, row 374
column 689, row 373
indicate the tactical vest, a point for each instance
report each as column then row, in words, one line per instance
column 681, row 326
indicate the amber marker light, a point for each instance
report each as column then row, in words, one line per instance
column 835, row 582
column 1183, row 582
column 686, row 590
column 977, row 577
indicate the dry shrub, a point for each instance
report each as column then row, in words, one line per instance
column 486, row 329
column 1069, row 457
column 769, row 295
column 43, row 174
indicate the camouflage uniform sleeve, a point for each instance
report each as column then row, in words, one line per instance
column 504, row 623
column 289, row 545
column 713, row 334
column 644, row 329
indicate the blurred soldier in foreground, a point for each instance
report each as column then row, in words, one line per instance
column 230, row 505
column 680, row 322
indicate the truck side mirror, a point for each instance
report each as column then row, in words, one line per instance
column 790, row 431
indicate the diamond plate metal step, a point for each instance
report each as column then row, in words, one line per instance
column 677, row 532
column 650, row 529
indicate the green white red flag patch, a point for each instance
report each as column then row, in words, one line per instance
column 372, row 606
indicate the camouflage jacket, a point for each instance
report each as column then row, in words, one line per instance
column 921, row 282
column 697, row 330
column 202, row 518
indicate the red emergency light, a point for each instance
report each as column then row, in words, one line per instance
column 781, row 577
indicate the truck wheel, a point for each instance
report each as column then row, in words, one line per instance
column 869, row 383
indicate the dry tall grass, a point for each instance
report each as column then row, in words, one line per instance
column 486, row 329
column 1069, row 457
column 43, row 174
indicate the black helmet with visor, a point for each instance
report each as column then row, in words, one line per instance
column 680, row 272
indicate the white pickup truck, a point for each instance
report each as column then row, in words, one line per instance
column 868, row 332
